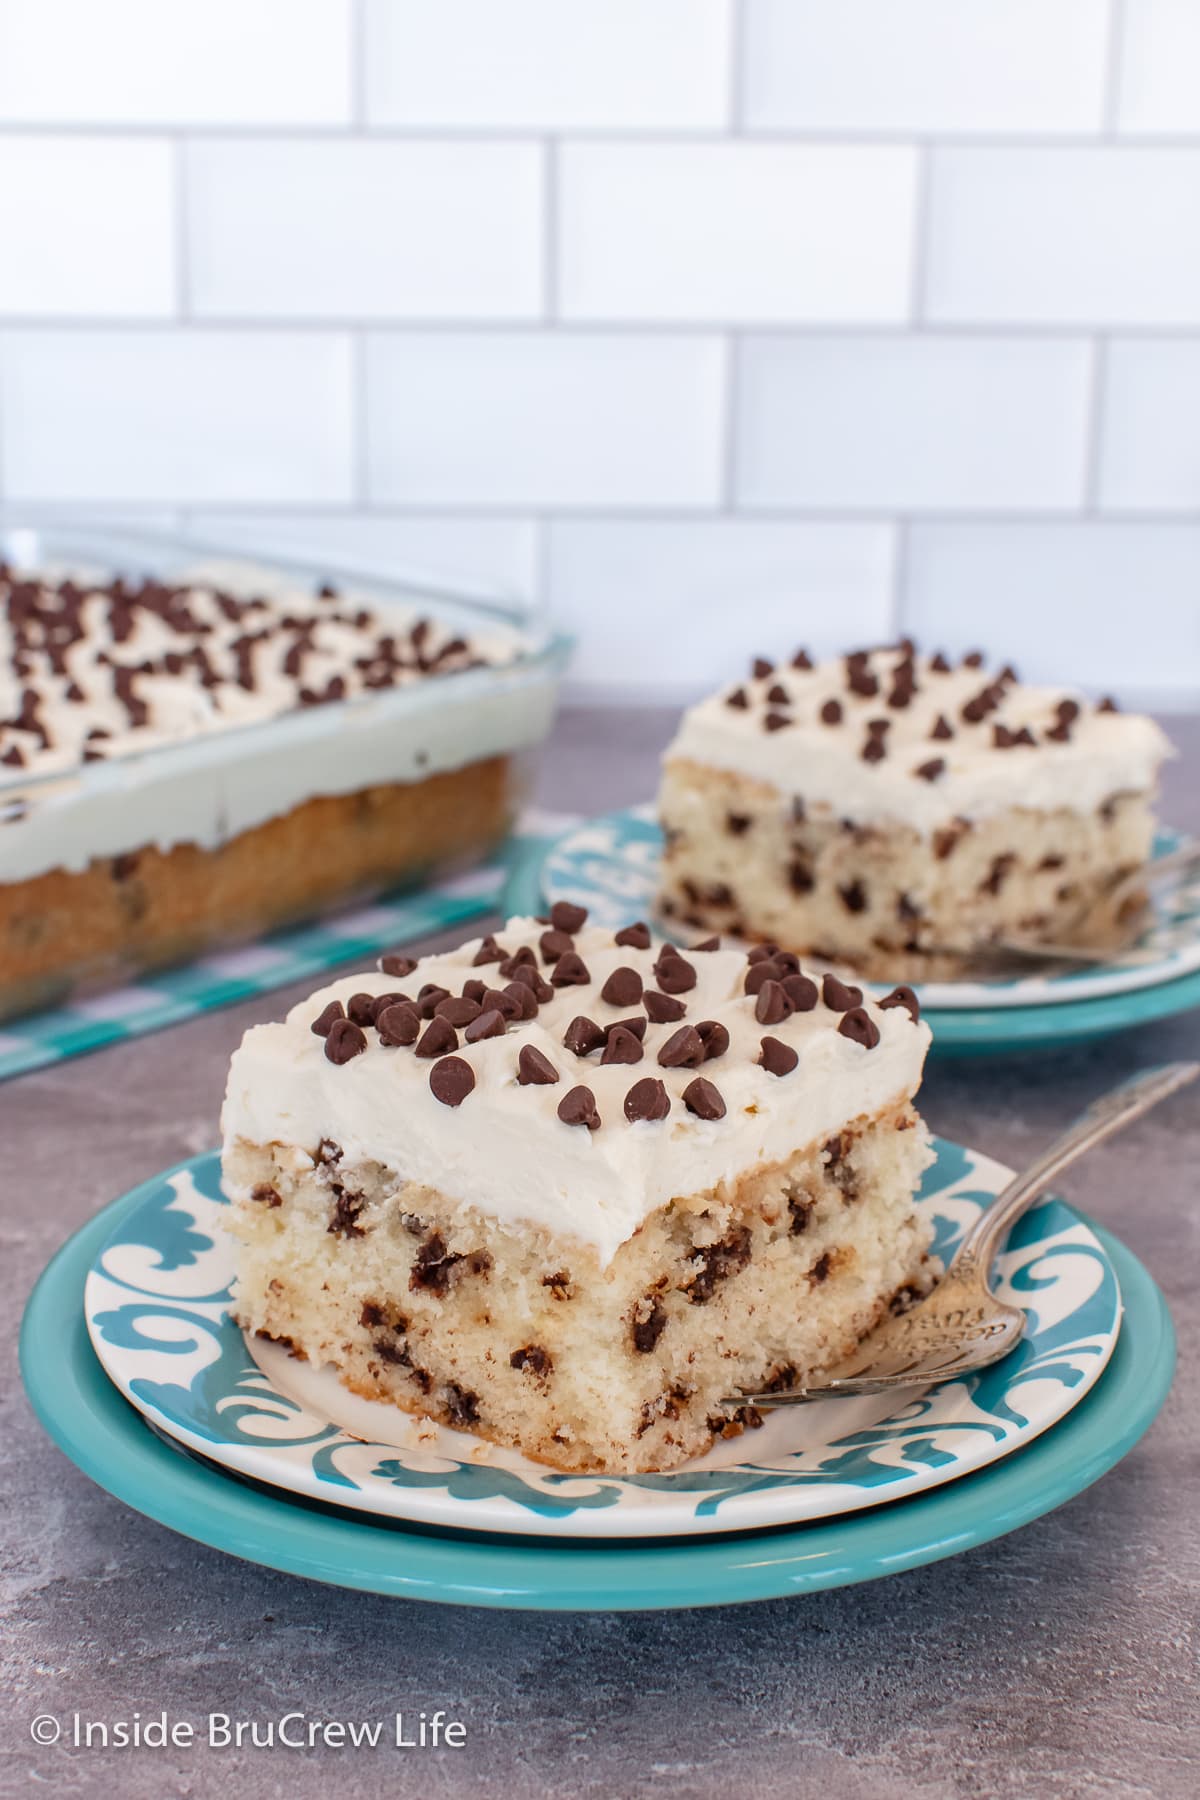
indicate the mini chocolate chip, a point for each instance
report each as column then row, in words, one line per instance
column 939, row 663
column 837, row 996
column 361, row 1008
column 451, row 1080
column 703, row 1099
column 777, row 1058
column 1108, row 705
column 498, row 1000
column 973, row 659
column 621, row 1046
column 438, row 1037
column 489, row 951
column 1003, row 738
column 578, row 1107
column 802, row 992
column 930, row 771
column 674, row 974
column 737, row 699
column 760, row 952
column 802, row 660
column 523, row 998
column 396, row 1025
column 714, row 1037
column 566, row 916
column 383, row 1001
column 772, row 1004
column 853, row 897
column 570, row 971
column 487, row 1025
column 776, row 721
column 904, row 996
column 778, row 695
column 1068, row 709
column 859, row 1027
column 623, row 988
column 520, row 959
column 582, row 1036
column 874, row 750
column 636, row 937
column 457, row 1009
column 831, row 712
column 534, row 1069
column 705, row 944
column 647, row 1100
column 327, row 1018
column 555, row 944
column 661, row 1009
column 343, row 1040
column 758, row 973
column 976, row 710
column 1024, row 736
column 762, row 667
column 1059, row 734
column 942, row 728
column 684, row 1049
column 397, row 965
column 948, row 839
column 430, row 997
column 801, row 879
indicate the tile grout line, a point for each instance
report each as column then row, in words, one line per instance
column 320, row 130
column 1114, row 53
column 360, row 423
column 180, row 245
column 895, row 331
column 1060, row 519
column 358, row 66
column 736, row 73
column 901, row 555
column 731, row 389
column 550, row 232
column 1094, row 440
column 922, row 206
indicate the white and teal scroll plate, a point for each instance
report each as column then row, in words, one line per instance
column 610, row 865
column 156, row 1303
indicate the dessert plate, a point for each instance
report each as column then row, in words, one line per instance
column 117, row 1448
column 610, row 865
column 157, row 1298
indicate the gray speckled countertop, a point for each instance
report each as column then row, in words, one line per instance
column 1059, row 1661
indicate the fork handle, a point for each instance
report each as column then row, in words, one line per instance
column 1181, row 861
column 1109, row 1114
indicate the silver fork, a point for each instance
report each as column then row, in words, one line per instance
column 961, row 1326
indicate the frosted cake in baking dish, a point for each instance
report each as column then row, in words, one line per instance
column 193, row 762
column 899, row 813
column 570, row 1190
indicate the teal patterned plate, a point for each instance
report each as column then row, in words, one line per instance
column 610, row 865
column 156, row 1303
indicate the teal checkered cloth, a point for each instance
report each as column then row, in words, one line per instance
column 506, row 884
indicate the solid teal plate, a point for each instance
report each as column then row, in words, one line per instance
column 113, row 1444
column 957, row 1031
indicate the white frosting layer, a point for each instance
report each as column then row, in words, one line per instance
column 1105, row 753
column 505, row 1151
column 214, row 756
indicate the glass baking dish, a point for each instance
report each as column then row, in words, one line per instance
column 117, row 867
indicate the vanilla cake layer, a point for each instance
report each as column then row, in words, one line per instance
column 893, row 812
column 619, row 1184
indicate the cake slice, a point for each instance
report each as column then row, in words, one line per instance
column 568, row 1189
column 893, row 812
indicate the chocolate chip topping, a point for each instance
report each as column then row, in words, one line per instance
column 565, row 916
column 802, row 660
column 398, row 1025
column 705, row 945
column 523, row 998
column 344, row 1040
column 939, row 663
column 578, row 1107
column 762, row 667
column 395, row 964
column 430, row 997
column 772, row 1004
column 860, row 1027
column 554, row 945
column 931, row 770
column 361, row 1008
column 661, row 1009
column 436, row 1039
column 837, row 996
column 582, row 1036
column 457, row 1009
column 777, row 1058
column 778, row 695
column 738, row 699
column 328, row 1017
column 684, row 1049
column 451, row 1080
column 621, row 1046
column 634, row 937
column 646, row 1101
column 570, row 971
column 703, row 1099
column 776, row 721
column 801, row 991
column 942, row 728
column 674, row 974
column 487, row 1025
column 903, row 996
column 489, row 951
column 831, row 712
column 534, row 1069
column 1108, row 705
column 714, row 1037
column 623, row 988
column 635, row 1023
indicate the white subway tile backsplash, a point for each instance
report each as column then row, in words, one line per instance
column 735, row 231
column 1071, row 236
column 1159, row 84
column 484, row 556
column 924, row 65
column 1103, row 605
column 911, row 423
column 652, row 65
column 87, row 226
column 189, row 62
column 304, row 229
column 1150, row 430
column 522, row 419
column 703, row 595
column 175, row 416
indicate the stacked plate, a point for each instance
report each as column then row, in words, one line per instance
column 137, row 1370
column 610, row 865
